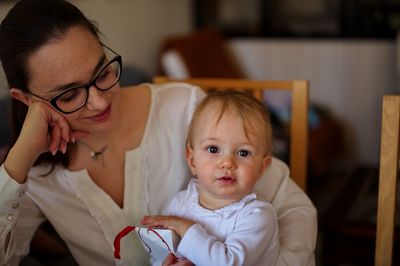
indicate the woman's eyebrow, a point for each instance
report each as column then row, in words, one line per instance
column 96, row 69
column 99, row 65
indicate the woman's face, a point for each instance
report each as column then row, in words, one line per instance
column 72, row 61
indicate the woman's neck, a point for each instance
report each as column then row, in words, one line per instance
column 130, row 123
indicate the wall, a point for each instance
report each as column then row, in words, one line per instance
column 134, row 28
column 348, row 77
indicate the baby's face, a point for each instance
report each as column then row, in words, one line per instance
column 227, row 161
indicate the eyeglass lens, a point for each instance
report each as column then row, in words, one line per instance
column 75, row 98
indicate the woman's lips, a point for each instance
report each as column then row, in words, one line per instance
column 102, row 116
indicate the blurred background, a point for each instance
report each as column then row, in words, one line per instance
column 347, row 49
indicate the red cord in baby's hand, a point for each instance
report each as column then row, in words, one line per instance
column 117, row 240
column 127, row 230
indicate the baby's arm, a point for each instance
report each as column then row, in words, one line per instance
column 178, row 224
column 255, row 234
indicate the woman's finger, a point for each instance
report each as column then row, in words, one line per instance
column 76, row 135
column 183, row 262
column 63, row 145
column 55, row 139
column 172, row 260
column 67, row 133
column 169, row 260
column 59, row 120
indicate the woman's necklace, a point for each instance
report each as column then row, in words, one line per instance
column 93, row 153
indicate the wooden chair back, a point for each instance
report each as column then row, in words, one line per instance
column 299, row 112
column 388, row 170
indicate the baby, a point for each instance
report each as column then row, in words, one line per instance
column 219, row 218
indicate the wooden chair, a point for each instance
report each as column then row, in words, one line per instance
column 389, row 158
column 299, row 111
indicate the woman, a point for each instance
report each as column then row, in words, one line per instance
column 92, row 158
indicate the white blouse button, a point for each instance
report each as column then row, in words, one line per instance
column 21, row 193
column 15, row 205
column 10, row 217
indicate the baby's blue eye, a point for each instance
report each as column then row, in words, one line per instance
column 244, row 153
column 212, row 149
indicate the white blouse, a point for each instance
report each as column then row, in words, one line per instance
column 88, row 219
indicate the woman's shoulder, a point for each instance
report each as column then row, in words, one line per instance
column 273, row 183
column 175, row 94
column 176, row 91
column 173, row 85
column 175, row 100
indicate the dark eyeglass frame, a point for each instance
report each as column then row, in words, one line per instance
column 53, row 101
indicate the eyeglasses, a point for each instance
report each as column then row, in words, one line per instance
column 73, row 99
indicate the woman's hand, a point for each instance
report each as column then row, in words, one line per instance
column 178, row 224
column 43, row 130
column 172, row 260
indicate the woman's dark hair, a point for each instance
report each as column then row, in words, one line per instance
column 28, row 26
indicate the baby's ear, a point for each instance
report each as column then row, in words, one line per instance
column 190, row 160
column 20, row 96
column 266, row 161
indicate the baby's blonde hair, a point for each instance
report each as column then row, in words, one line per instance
column 248, row 109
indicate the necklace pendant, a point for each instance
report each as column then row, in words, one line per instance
column 94, row 155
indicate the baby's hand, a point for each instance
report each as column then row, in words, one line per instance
column 178, row 224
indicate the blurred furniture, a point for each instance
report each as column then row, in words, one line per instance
column 360, row 227
column 340, row 71
column 328, row 151
column 299, row 109
column 203, row 53
column 389, row 160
